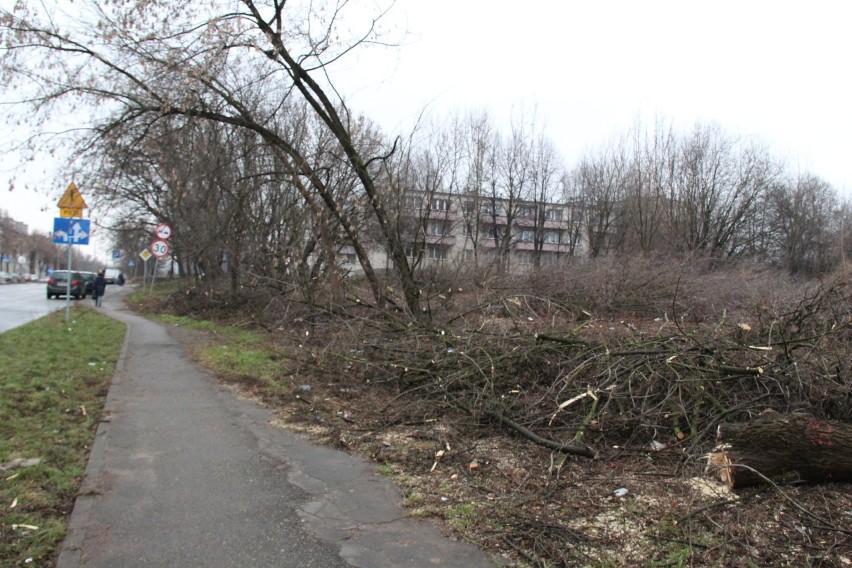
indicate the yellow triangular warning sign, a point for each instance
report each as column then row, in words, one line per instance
column 72, row 199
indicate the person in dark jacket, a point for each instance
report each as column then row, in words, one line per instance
column 99, row 288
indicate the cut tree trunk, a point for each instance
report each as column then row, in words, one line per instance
column 782, row 448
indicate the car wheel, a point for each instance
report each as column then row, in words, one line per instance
column 49, row 296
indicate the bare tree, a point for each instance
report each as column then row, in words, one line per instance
column 651, row 171
column 480, row 144
column 804, row 214
column 546, row 172
column 600, row 184
column 509, row 189
column 233, row 207
column 700, row 193
column 425, row 177
column 210, row 62
column 715, row 187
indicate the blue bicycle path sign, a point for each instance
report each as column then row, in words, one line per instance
column 70, row 231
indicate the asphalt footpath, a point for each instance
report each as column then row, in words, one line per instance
column 184, row 473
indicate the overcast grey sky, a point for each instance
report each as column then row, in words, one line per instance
column 774, row 70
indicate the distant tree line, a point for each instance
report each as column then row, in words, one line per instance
column 708, row 194
column 38, row 250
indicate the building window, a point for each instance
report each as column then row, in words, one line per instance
column 525, row 257
column 494, row 232
column 492, row 209
column 440, row 204
column 551, row 237
column 549, row 258
column 527, row 212
column 526, row 236
column 553, row 214
column 412, row 202
column 469, row 254
column 436, row 228
column 466, row 230
column 469, row 207
column 413, row 250
column 437, row 253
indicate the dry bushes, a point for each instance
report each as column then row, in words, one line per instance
column 610, row 352
column 676, row 351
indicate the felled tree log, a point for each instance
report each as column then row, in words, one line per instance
column 782, row 448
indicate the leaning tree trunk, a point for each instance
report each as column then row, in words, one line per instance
column 783, row 448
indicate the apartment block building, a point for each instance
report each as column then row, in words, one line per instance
column 463, row 230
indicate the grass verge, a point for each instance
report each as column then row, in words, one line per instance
column 54, row 378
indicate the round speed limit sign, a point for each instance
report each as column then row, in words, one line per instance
column 160, row 248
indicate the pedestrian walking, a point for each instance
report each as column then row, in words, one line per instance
column 99, row 288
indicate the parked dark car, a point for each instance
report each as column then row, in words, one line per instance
column 57, row 284
column 89, row 279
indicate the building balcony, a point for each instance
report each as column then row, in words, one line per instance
column 531, row 222
column 546, row 247
column 443, row 215
column 447, row 240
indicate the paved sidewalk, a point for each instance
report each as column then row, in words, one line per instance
column 182, row 473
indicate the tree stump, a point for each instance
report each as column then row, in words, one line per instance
column 782, row 448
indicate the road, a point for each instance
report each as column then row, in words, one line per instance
column 23, row 303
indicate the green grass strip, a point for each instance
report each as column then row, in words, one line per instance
column 54, row 378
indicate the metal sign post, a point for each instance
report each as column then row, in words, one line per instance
column 154, row 276
column 68, row 289
column 159, row 249
column 70, row 231
column 145, row 255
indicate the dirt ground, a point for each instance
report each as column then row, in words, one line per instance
column 640, row 502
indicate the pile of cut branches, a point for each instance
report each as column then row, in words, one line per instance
column 570, row 381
